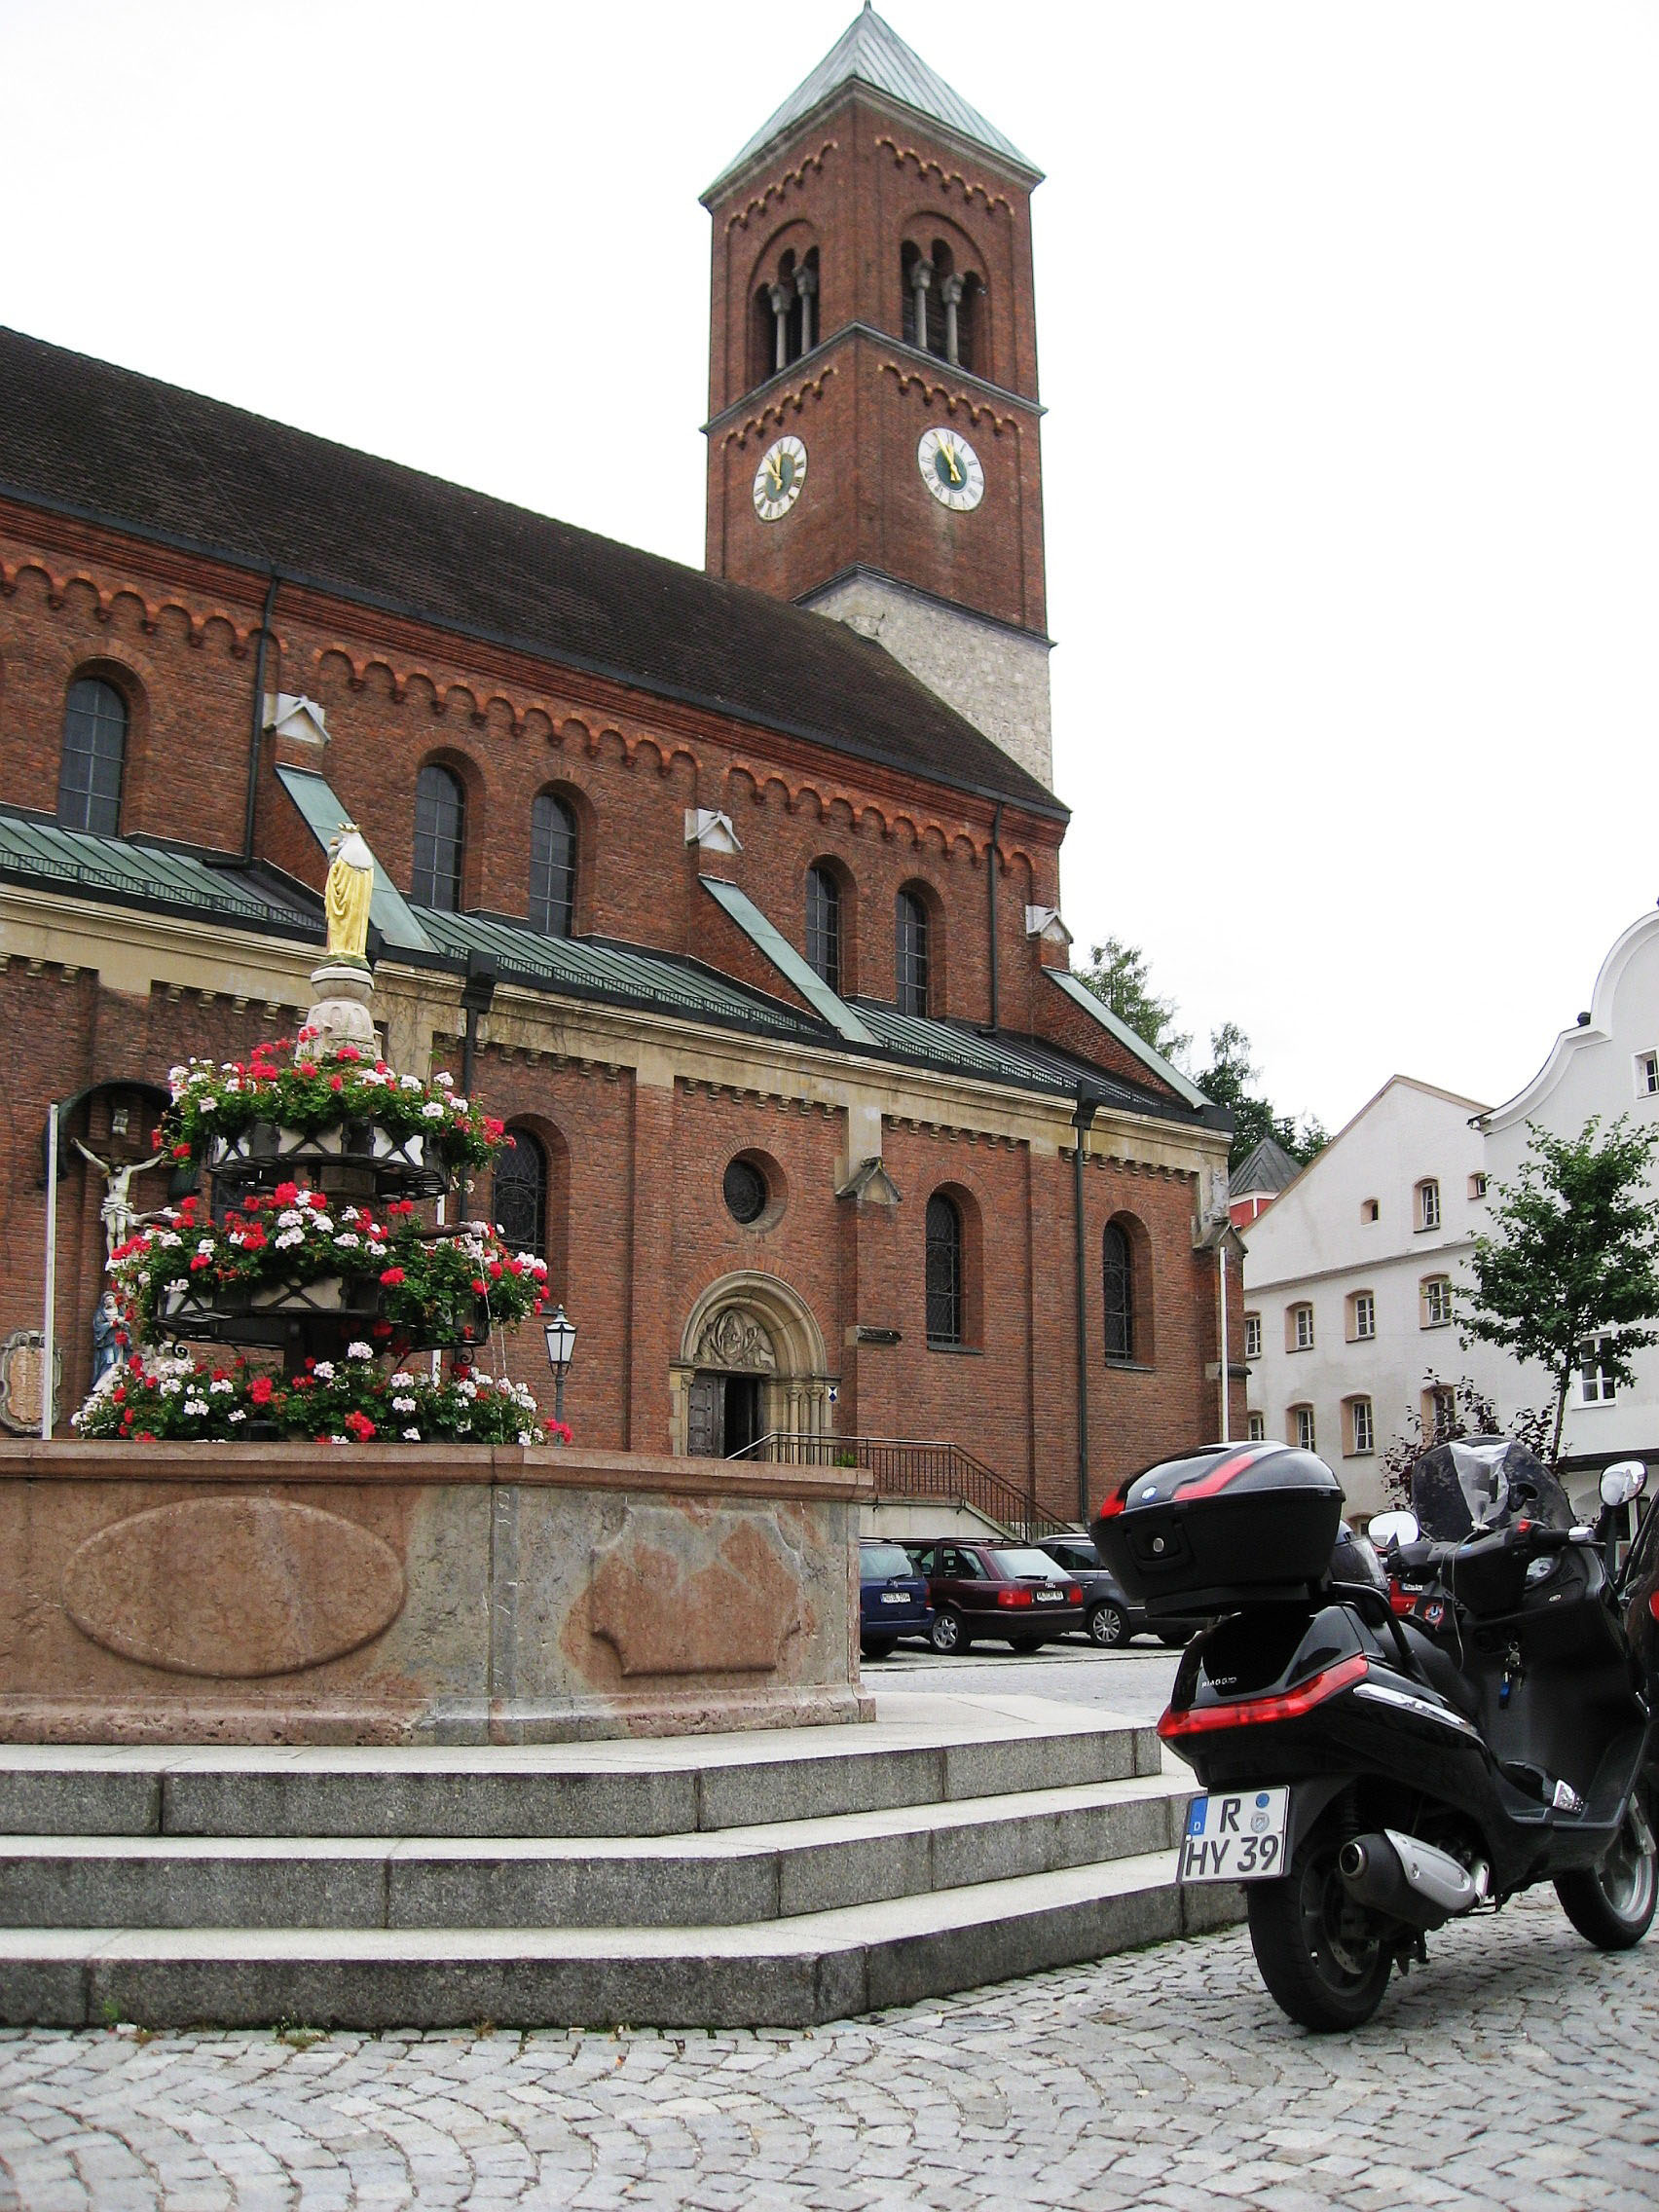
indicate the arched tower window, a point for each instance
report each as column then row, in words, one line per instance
column 440, row 839
column 552, row 865
column 786, row 318
column 521, row 1193
column 941, row 303
column 823, row 926
column 1118, row 1289
column 94, row 758
column 911, row 932
column 944, row 1271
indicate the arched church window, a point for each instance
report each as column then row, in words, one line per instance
column 440, row 839
column 94, row 758
column 1117, row 1287
column 941, row 303
column 521, row 1193
column 552, row 865
column 943, row 1270
column 823, row 926
column 911, row 929
column 787, row 317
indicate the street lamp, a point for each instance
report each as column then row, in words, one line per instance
column 560, row 1336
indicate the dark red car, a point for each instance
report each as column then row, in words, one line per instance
column 1010, row 1592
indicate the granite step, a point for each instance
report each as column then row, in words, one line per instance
column 721, row 1876
column 790, row 1973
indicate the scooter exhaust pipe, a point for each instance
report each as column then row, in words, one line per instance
column 1409, row 1880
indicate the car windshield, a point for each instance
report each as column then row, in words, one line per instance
column 876, row 1561
column 1016, row 1560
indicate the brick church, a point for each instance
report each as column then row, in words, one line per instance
column 736, row 892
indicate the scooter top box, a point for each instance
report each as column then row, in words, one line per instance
column 1227, row 1526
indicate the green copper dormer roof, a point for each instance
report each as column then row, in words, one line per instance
column 871, row 52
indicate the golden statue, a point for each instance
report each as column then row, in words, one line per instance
column 347, row 896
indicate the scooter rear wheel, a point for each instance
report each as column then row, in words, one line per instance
column 1313, row 1946
column 1611, row 1906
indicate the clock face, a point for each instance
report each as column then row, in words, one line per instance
column 950, row 470
column 779, row 478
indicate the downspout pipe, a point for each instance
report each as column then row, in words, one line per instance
column 1088, row 1105
column 258, row 729
column 993, row 861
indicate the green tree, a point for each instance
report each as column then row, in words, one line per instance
column 1227, row 1080
column 1117, row 974
column 1573, row 1256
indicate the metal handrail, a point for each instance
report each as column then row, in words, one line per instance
column 906, row 1466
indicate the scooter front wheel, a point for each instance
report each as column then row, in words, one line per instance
column 1611, row 1906
column 1313, row 1946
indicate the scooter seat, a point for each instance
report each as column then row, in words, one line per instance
column 1443, row 1673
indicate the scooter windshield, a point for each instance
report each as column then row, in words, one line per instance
column 1481, row 1482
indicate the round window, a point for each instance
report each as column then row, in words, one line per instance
column 746, row 1191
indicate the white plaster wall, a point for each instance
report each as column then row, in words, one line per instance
column 996, row 677
column 1311, row 1245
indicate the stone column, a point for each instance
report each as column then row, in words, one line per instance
column 782, row 296
column 950, row 292
column 806, row 287
column 921, row 277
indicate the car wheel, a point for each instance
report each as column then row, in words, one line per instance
column 1108, row 1625
column 949, row 1632
column 1026, row 1642
column 878, row 1646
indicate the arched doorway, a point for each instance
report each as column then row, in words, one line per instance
column 751, row 1365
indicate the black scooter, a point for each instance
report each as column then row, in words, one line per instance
column 1381, row 1757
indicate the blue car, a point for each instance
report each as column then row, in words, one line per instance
column 893, row 1598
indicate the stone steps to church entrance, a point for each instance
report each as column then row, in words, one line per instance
column 953, row 1842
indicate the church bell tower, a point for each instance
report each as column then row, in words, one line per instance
column 873, row 431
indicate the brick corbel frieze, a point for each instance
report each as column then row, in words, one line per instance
column 739, row 218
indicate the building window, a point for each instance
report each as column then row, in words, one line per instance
column 1428, row 1203
column 1439, row 1412
column 1362, row 1316
column 943, row 1270
column 1256, row 1428
column 746, row 1191
column 1370, row 1210
column 1595, row 1386
column 1477, row 1187
column 1300, row 1427
column 440, row 836
column 823, row 926
column 910, row 918
column 1299, row 1328
column 552, row 866
column 1436, row 1291
column 1361, row 1434
column 788, row 317
column 1117, row 1285
column 521, row 1193
column 942, row 306
column 94, row 758
column 1252, row 1336
column 1646, row 1075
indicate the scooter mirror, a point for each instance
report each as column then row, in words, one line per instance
column 1390, row 1530
column 1623, row 1481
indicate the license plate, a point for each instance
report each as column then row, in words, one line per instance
column 1050, row 1597
column 896, row 1597
column 1235, row 1837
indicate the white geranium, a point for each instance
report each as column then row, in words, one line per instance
column 237, row 1414
column 432, row 1110
column 324, row 1371
column 360, row 1350
column 412, row 1436
column 403, row 1405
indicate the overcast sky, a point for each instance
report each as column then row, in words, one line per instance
column 1349, row 337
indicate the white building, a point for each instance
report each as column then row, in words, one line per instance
column 1607, row 1065
column 1350, row 1280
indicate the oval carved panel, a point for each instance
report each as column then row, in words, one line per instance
column 234, row 1587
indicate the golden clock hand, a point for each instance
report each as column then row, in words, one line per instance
column 950, row 452
column 776, row 466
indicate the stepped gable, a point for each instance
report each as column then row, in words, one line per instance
column 104, row 444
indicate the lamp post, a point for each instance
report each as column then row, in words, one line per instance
column 1088, row 1105
column 560, row 1335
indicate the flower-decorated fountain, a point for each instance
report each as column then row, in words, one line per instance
column 201, row 1565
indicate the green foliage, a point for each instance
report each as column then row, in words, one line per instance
column 1117, row 975
column 1227, row 1080
column 1573, row 1254
column 1462, row 1410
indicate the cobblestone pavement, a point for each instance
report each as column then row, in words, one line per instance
column 1521, row 2072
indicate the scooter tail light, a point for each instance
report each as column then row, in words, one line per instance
column 1653, row 1603
column 1260, row 1711
column 1111, row 1505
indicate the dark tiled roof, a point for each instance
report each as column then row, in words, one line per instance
column 147, row 457
column 871, row 51
column 1268, row 1168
